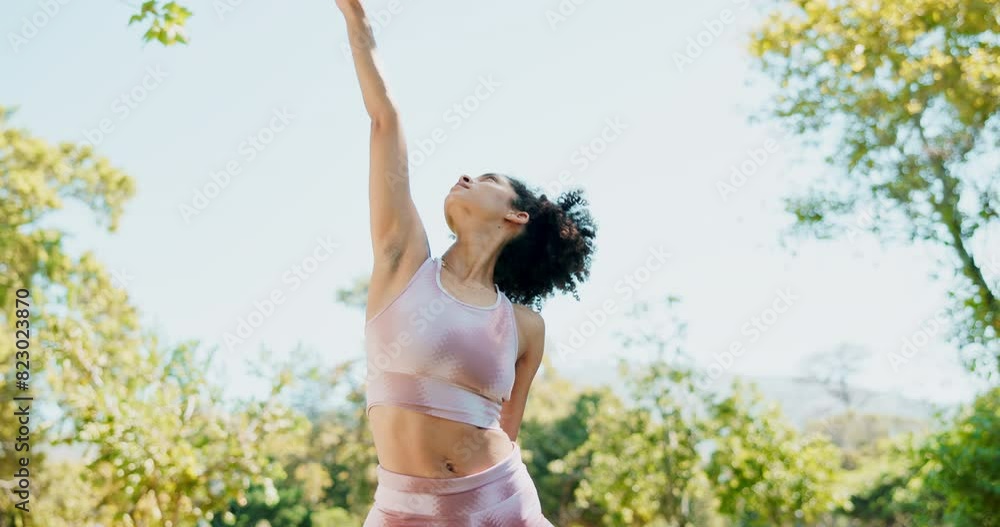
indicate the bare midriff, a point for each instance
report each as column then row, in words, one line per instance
column 417, row 444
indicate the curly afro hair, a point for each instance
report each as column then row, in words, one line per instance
column 553, row 251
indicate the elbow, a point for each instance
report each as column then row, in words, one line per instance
column 384, row 119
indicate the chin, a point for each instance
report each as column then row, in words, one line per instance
column 453, row 199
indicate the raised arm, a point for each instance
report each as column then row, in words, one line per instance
column 398, row 236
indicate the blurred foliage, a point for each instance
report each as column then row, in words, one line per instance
column 950, row 477
column 959, row 468
column 859, row 436
column 165, row 22
column 879, row 496
column 765, row 472
column 912, row 87
column 909, row 91
column 159, row 446
column 636, row 468
column 158, row 442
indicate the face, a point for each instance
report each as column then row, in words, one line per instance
column 484, row 199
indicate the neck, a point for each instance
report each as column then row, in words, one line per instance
column 471, row 263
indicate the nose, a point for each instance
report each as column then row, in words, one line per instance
column 466, row 179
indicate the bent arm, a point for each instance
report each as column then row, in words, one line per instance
column 525, row 368
column 395, row 223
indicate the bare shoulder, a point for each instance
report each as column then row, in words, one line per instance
column 530, row 329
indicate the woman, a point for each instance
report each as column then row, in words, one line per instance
column 452, row 343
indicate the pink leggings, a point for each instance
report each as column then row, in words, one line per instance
column 502, row 496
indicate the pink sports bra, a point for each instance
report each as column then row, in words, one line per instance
column 430, row 352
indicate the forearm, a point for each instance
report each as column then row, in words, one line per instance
column 377, row 101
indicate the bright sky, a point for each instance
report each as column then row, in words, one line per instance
column 266, row 91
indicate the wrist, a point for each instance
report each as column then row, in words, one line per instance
column 353, row 9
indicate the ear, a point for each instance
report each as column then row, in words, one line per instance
column 518, row 216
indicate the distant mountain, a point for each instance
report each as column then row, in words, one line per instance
column 800, row 401
column 803, row 402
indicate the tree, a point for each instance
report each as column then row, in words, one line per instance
column 35, row 178
column 157, row 441
column 556, row 423
column 878, row 493
column 960, row 467
column 910, row 91
column 634, row 470
column 834, row 371
column 950, row 477
column 165, row 22
column 639, row 463
column 764, row 472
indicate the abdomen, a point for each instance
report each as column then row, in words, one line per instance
column 418, row 444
